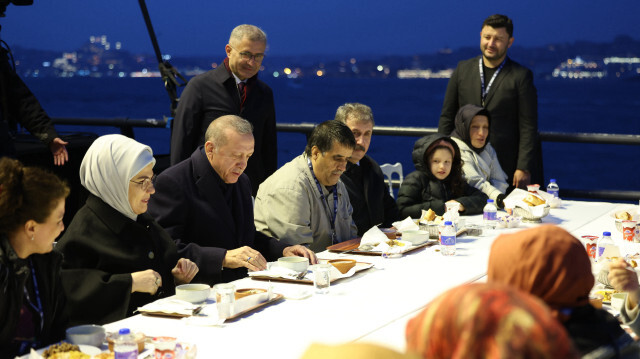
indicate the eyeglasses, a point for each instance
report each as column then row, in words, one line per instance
column 146, row 183
column 246, row 55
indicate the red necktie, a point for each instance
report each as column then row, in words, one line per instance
column 241, row 90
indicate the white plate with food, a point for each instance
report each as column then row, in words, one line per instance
column 85, row 349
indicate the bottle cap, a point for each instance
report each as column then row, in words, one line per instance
column 447, row 223
column 489, row 200
column 124, row 331
column 606, row 234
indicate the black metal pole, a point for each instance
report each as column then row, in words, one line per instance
column 168, row 72
column 152, row 33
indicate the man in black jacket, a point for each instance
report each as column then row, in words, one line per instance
column 205, row 204
column 369, row 195
column 505, row 88
column 233, row 88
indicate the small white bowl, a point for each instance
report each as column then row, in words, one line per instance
column 90, row 334
column 298, row 264
column 415, row 237
column 194, row 293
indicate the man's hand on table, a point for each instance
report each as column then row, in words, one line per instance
column 521, row 179
column 623, row 278
column 300, row 251
column 184, row 271
column 244, row 257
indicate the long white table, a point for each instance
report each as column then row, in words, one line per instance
column 372, row 306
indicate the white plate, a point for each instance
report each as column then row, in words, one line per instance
column 87, row 349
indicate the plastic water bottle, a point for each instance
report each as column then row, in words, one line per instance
column 448, row 239
column 553, row 188
column 490, row 215
column 606, row 248
column 125, row 346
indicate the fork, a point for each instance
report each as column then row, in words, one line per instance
column 301, row 275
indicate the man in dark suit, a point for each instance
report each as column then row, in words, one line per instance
column 205, row 204
column 231, row 89
column 506, row 90
column 368, row 193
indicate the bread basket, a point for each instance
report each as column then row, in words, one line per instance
column 528, row 216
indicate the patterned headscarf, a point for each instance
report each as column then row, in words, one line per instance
column 353, row 351
column 545, row 261
column 482, row 320
column 108, row 166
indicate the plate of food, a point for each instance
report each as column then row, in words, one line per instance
column 624, row 213
column 352, row 246
column 606, row 294
column 65, row 350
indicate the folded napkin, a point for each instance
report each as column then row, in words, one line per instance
column 334, row 273
column 169, row 306
column 406, row 225
column 515, row 199
column 373, row 236
column 208, row 316
column 275, row 271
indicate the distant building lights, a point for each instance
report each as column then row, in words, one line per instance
column 144, row 71
column 287, row 71
column 111, row 66
column 380, row 68
column 352, row 61
column 319, row 73
column 166, row 57
column 214, row 65
column 276, row 74
column 121, row 74
column 46, row 64
column 118, row 45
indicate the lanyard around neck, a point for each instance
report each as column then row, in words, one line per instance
column 332, row 220
column 495, row 74
column 37, row 307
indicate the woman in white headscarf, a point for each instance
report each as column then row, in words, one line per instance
column 116, row 257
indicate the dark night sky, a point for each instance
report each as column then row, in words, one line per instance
column 298, row 27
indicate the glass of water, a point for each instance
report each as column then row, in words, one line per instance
column 225, row 297
column 321, row 277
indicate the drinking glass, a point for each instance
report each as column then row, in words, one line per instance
column 225, row 297
column 321, row 277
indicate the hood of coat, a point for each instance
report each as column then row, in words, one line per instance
column 463, row 120
column 424, row 146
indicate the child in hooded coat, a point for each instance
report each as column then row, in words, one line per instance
column 438, row 179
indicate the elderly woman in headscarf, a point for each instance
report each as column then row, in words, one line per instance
column 551, row 264
column 480, row 161
column 116, row 257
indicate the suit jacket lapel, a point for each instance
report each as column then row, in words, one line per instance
column 476, row 84
column 209, row 188
column 227, row 80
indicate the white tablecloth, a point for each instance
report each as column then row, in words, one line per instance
column 372, row 306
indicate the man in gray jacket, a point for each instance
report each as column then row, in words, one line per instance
column 304, row 202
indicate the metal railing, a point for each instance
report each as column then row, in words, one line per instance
column 126, row 126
